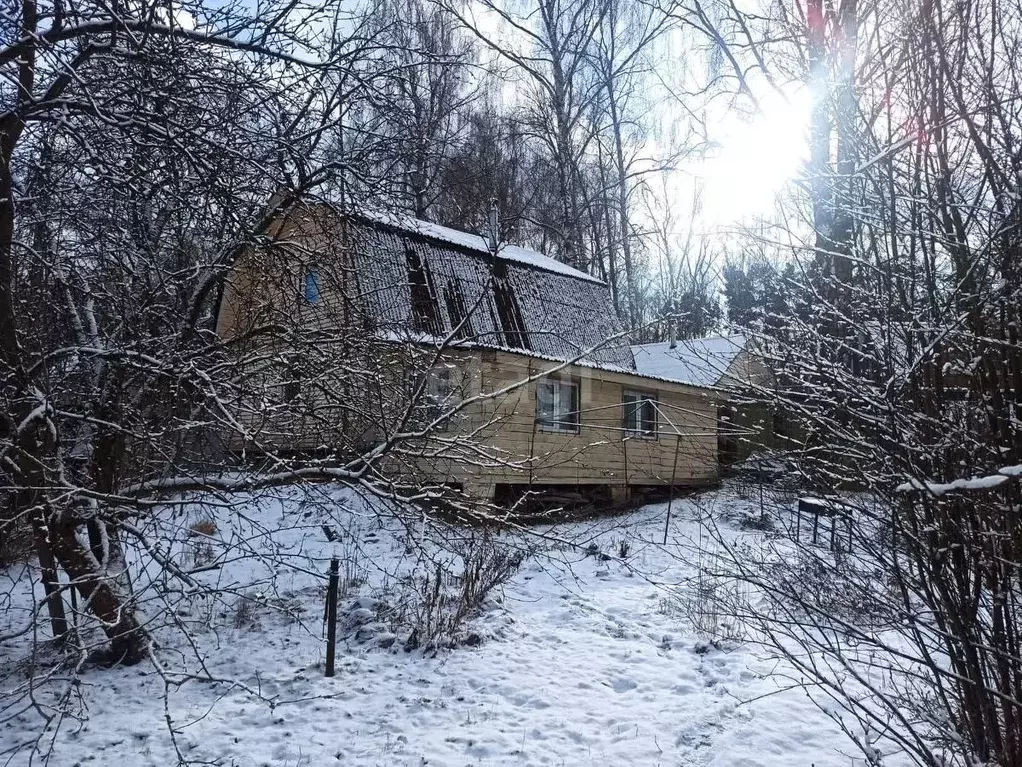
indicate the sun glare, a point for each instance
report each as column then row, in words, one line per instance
column 754, row 160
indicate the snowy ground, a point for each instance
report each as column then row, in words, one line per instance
column 584, row 660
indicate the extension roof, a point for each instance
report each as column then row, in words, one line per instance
column 698, row 361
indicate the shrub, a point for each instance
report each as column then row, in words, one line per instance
column 447, row 600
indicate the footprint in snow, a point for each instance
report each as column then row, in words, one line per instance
column 623, row 685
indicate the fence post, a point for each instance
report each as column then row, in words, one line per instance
column 331, row 617
column 670, row 498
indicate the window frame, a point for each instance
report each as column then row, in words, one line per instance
column 632, row 417
column 556, row 423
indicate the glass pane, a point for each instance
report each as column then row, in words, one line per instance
column 630, row 409
column 648, row 417
column 545, row 393
column 311, row 287
column 569, row 404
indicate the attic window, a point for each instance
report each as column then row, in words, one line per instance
column 310, row 286
column 455, row 300
column 420, row 282
column 510, row 314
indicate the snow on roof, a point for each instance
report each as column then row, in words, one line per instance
column 475, row 242
column 581, row 362
column 411, row 281
column 699, row 361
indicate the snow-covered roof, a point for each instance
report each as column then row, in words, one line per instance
column 475, row 242
column 427, row 279
column 699, row 361
column 580, row 362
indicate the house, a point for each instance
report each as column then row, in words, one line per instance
column 728, row 363
column 515, row 362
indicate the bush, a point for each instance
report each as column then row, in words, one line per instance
column 448, row 600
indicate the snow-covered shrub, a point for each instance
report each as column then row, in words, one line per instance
column 456, row 589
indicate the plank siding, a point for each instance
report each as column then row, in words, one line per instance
column 600, row 453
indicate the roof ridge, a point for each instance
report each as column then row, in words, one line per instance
column 509, row 252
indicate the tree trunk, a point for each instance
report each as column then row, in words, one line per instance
column 128, row 641
column 47, row 568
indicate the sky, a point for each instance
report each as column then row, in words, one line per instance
column 755, row 158
column 747, row 160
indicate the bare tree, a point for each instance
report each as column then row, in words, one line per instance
column 549, row 45
column 125, row 199
column 902, row 377
column 426, row 100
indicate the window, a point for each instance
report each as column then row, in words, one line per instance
column 439, row 387
column 310, row 286
column 512, row 324
column 422, row 293
column 456, row 312
column 557, row 405
column 640, row 414
column 292, row 390
column 437, row 397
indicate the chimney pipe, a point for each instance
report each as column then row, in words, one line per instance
column 494, row 232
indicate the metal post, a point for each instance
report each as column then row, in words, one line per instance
column 331, row 616
column 670, row 498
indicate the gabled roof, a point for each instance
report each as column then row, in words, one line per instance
column 422, row 278
column 699, row 361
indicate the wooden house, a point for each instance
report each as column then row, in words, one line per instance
column 523, row 375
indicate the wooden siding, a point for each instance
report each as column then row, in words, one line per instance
column 600, row 453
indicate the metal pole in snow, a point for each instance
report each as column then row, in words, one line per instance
column 331, row 616
column 670, row 498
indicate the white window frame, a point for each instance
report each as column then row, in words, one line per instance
column 564, row 416
column 632, row 419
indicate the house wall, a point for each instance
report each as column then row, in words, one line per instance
column 505, row 429
column 265, row 285
column 746, row 420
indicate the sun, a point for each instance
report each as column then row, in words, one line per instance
column 754, row 159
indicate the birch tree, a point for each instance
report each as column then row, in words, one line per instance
column 124, row 197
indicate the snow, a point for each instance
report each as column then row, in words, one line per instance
column 699, row 361
column 475, row 242
column 975, row 483
column 587, row 659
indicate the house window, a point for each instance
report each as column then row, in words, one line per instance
column 512, row 324
column 640, row 414
column 310, row 286
column 436, row 398
column 557, row 405
column 455, row 298
column 422, row 293
column 439, row 388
